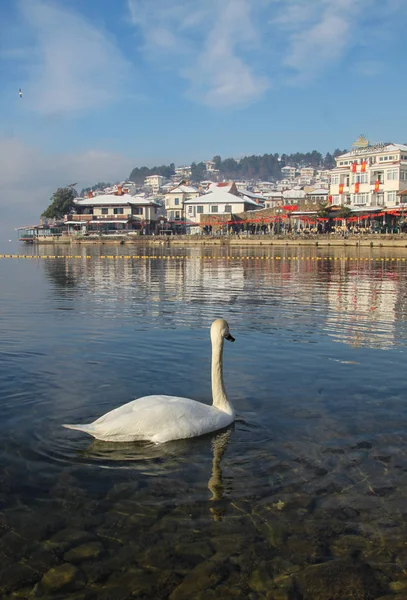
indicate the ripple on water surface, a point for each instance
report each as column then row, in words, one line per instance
column 313, row 472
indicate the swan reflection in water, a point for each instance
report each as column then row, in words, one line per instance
column 152, row 459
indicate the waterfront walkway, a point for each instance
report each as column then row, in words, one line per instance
column 394, row 240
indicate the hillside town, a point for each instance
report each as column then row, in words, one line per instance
column 365, row 192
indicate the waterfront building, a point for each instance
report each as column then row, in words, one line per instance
column 370, row 176
column 110, row 213
column 219, row 202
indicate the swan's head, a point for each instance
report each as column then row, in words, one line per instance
column 220, row 329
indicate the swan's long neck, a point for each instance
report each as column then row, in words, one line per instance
column 220, row 400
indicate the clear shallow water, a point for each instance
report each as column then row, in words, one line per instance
column 310, row 482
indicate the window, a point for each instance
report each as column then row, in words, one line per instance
column 361, row 198
column 105, row 211
column 199, row 210
column 391, row 197
column 228, row 208
column 403, row 175
column 335, row 200
column 359, row 178
column 190, row 209
column 176, row 201
column 137, row 210
column 334, row 179
column 357, row 199
column 214, row 208
column 392, row 174
column 118, row 211
column 177, row 214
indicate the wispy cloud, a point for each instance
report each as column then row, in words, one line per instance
column 231, row 52
column 210, row 45
column 74, row 65
column 317, row 35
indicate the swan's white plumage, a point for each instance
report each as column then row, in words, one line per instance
column 163, row 418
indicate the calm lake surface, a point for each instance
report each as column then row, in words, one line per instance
column 303, row 498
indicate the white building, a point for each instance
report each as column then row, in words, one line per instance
column 154, row 182
column 307, row 172
column 183, row 172
column 111, row 212
column 175, row 200
column 288, row 172
column 273, row 199
column 218, row 202
column 369, row 176
column 293, row 195
column 318, row 196
column 210, row 166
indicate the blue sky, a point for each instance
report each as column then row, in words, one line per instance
column 111, row 85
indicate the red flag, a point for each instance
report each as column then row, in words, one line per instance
column 330, row 199
column 354, row 164
column 357, row 184
column 363, row 169
column 376, row 185
column 341, row 188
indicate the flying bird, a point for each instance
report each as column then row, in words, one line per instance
column 20, row 93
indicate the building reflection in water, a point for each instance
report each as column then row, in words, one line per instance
column 356, row 301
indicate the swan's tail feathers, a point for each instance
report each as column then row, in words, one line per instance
column 87, row 428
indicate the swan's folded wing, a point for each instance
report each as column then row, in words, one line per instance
column 159, row 419
column 139, row 404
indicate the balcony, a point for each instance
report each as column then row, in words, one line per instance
column 86, row 218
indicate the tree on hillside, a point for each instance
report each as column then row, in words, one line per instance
column 198, row 172
column 338, row 152
column 139, row 174
column 329, row 161
column 217, row 160
column 265, row 167
column 61, row 203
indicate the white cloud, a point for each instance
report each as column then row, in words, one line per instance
column 75, row 65
column 317, row 35
column 208, row 46
column 231, row 51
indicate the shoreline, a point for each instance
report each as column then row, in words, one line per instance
column 378, row 241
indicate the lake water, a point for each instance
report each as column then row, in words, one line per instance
column 303, row 498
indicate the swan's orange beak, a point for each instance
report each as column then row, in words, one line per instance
column 229, row 338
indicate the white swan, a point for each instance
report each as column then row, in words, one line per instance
column 163, row 418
